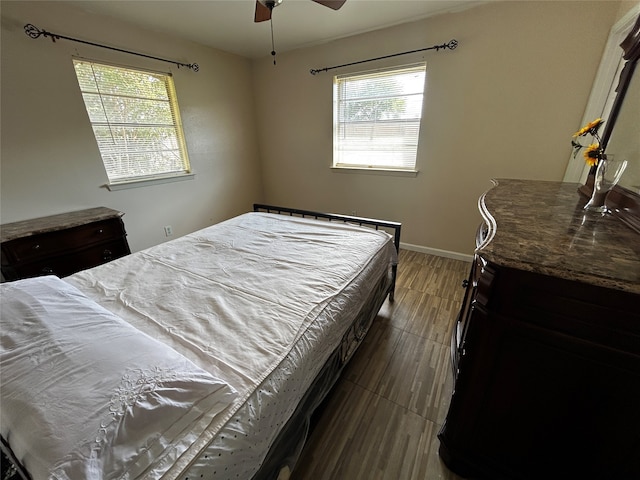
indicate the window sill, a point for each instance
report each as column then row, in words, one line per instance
column 376, row 171
column 147, row 182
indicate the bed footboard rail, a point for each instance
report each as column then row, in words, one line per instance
column 390, row 227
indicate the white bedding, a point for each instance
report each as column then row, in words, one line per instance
column 87, row 396
column 252, row 305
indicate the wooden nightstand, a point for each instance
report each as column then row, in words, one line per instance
column 62, row 244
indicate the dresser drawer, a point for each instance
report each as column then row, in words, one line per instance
column 46, row 244
column 73, row 262
column 62, row 244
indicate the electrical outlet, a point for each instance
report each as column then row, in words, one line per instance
column 168, row 230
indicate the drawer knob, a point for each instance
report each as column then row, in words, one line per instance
column 107, row 255
column 465, row 283
column 36, row 246
column 100, row 231
column 47, row 270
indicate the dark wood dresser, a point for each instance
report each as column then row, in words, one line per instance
column 546, row 349
column 62, row 244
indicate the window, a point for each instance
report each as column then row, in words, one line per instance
column 377, row 118
column 136, row 122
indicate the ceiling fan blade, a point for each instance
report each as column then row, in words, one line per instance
column 262, row 13
column 334, row 4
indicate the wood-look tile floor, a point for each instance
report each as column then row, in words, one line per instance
column 382, row 418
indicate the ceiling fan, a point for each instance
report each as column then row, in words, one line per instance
column 265, row 7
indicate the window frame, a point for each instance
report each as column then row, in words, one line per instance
column 340, row 98
column 116, row 182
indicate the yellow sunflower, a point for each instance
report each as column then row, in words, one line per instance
column 590, row 127
column 592, row 154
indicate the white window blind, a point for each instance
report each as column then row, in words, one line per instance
column 136, row 121
column 377, row 118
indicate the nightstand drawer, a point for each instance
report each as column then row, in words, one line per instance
column 73, row 262
column 62, row 244
column 45, row 244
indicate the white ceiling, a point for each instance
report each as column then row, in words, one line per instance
column 228, row 24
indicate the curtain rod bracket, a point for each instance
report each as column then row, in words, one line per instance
column 34, row 32
column 450, row 45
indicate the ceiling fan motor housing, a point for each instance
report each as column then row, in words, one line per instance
column 270, row 4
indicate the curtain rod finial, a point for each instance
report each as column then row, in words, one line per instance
column 32, row 30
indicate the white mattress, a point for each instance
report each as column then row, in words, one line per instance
column 266, row 335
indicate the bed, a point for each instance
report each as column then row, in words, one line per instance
column 203, row 357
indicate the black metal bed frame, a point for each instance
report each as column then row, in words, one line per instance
column 361, row 221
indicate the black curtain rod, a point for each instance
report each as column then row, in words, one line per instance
column 451, row 46
column 35, row 32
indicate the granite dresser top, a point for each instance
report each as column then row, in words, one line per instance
column 542, row 227
column 24, row 228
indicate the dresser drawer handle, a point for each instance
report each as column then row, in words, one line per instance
column 36, row 246
column 47, row 270
column 100, row 231
column 107, row 255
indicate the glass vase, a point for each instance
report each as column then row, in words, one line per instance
column 607, row 175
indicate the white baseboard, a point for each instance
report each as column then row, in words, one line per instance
column 436, row 251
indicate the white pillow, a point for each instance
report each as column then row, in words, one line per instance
column 86, row 395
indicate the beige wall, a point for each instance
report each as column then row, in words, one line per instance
column 50, row 161
column 504, row 104
column 625, row 7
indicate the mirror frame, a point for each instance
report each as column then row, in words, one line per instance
column 631, row 48
column 624, row 203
